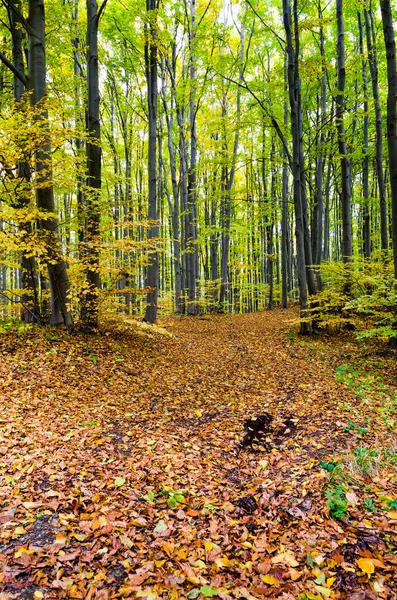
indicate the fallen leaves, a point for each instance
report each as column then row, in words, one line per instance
column 118, row 485
column 366, row 565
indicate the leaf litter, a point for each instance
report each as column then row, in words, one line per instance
column 200, row 460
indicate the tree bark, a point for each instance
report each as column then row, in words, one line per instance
column 294, row 95
column 365, row 208
column 58, row 277
column 30, row 307
column 388, row 34
column 90, row 299
column 153, row 233
column 192, row 251
column 373, row 67
column 347, row 242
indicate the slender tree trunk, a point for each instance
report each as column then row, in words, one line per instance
column 225, row 243
column 90, row 300
column 347, row 242
column 294, row 95
column 319, row 189
column 30, row 308
column 373, row 67
column 388, row 33
column 58, row 277
column 285, row 248
column 174, row 209
column 192, row 256
column 365, row 208
column 151, row 78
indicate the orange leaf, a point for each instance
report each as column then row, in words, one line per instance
column 366, row 565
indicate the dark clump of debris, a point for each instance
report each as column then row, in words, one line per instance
column 260, row 427
column 248, row 504
column 255, row 431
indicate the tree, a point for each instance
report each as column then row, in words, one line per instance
column 294, row 92
column 90, row 297
column 390, row 43
column 48, row 222
column 151, row 80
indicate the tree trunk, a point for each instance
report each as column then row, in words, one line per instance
column 192, row 252
column 388, row 33
column 347, row 242
column 365, row 208
column 90, row 300
column 58, row 277
column 373, row 67
column 30, row 308
column 153, row 233
column 174, row 209
column 294, row 94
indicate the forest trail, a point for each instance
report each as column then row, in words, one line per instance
column 122, row 474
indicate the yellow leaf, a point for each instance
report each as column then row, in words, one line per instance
column 19, row 530
column 330, row 581
column 270, row 580
column 366, row 565
column 223, row 561
column 23, row 550
column 392, row 514
column 38, row 595
column 119, row 481
column 198, row 413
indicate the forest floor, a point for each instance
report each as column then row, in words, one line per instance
column 123, row 473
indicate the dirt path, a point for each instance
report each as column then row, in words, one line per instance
column 123, row 477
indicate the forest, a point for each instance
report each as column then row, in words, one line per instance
column 198, row 332
column 198, row 157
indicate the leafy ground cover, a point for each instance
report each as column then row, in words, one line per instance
column 124, row 475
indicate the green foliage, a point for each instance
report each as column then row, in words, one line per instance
column 150, row 496
column 370, row 306
column 366, row 460
column 11, row 325
column 208, row 591
column 369, row 505
column 336, row 501
column 291, row 335
column 174, row 497
column 328, row 466
column 92, row 357
column 351, row 426
column 346, row 374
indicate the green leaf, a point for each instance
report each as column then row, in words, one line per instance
column 320, row 579
column 160, row 527
column 328, row 466
column 119, row 481
column 323, row 590
column 194, row 593
column 172, row 502
column 208, row 591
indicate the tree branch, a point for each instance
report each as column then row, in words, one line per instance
column 14, row 70
column 24, row 22
column 102, row 8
